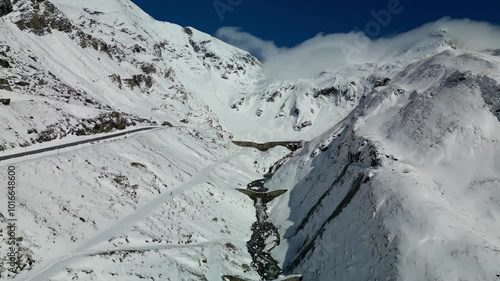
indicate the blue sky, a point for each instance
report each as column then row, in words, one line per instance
column 290, row 22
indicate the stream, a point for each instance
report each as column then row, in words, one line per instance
column 265, row 235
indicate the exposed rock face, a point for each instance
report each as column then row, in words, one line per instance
column 5, row 7
column 330, row 91
column 42, row 17
column 141, row 81
column 4, row 85
column 380, row 83
column 303, row 125
column 4, row 63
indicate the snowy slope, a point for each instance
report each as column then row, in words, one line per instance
column 398, row 178
column 162, row 199
column 407, row 188
column 109, row 61
column 138, row 200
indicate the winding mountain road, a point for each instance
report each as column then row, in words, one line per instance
column 61, row 146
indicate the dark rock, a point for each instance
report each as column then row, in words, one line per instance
column 22, row 83
column 138, row 49
column 5, row 101
column 44, row 18
column 399, row 92
column 257, row 185
column 5, row 7
column 456, row 77
column 86, row 40
column 275, row 96
column 210, row 55
column 94, row 13
column 188, row 31
column 303, row 125
column 117, row 79
column 380, row 83
column 4, row 63
column 331, row 91
column 141, row 81
column 4, row 85
column 238, row 104
column 148, row 68
column 138, row 165
column 32, row 131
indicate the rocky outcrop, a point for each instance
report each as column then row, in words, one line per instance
column 4, row 63
column 330, row 91
column 140, row 81
column 88, row 41
column 117, row 79
column 274, row 96
column 104, row 123
column 5, row 7
column 41, row 17
column 4, row 85
column 381, row 83
column 302, row 125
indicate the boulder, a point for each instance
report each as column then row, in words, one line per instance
column 4, row 85
column 380, row 83
column 4, row 63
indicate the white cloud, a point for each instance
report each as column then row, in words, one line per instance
column 332, row 51
column 258, row 47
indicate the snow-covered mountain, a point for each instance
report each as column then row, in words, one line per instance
column 398, row 177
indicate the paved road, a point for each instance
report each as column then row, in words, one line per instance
column 46, row 149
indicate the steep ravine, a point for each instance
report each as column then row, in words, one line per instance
column 265, row 235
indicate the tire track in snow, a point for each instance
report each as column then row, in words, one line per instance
column 46, row 270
